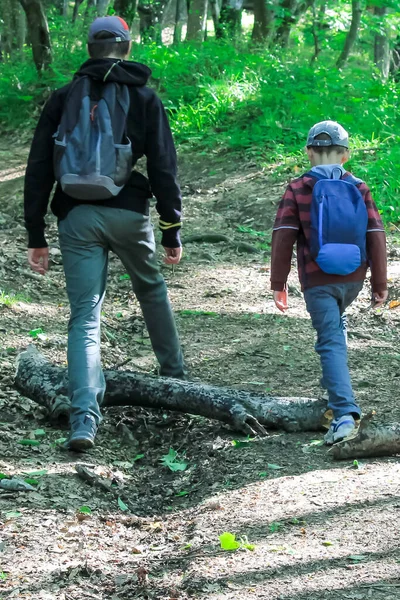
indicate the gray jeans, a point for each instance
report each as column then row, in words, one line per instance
column 326, row 305
column 86, row 236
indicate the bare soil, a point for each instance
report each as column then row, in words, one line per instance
column 321, row 530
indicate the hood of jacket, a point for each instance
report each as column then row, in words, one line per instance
column 115, row 70
column 335, row 171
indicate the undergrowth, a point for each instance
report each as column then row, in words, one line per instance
column 256, row 104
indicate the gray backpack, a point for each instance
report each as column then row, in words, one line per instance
column 92, row 154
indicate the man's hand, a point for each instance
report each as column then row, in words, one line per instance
column 281, row 300
column 379, row 298
column 38, row 259
column 173, row 256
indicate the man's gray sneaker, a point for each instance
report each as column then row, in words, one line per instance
column 82, row 435
column 340, row 429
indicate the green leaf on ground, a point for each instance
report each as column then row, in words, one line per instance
column 36, row 473
column 60, row 441
column 13, row 514
column 123, row 277
column 29, row 442
column 356, row 464
column 39, row 432
column 85, row 510
column 172, row 461
column 275, row 527
column 4, row 476
column 31, row 481
column 358, row 557
column 119, row 315
column 228, row 541
column 122, row 505
column 35, row 332
column 137, row 457
column 327, row 543
column 3, row 576
column 274, row 467
column 183, row 493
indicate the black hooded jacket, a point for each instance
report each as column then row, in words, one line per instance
column 150, row 134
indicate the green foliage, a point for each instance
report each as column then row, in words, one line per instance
column 173, row 462
column 256, row 103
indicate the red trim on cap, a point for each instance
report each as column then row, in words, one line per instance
column 124, row 23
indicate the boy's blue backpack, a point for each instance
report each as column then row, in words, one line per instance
column 92, row 154
column 339, row 222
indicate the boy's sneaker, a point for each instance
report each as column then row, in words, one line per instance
column 340, row 429
column 82, row 435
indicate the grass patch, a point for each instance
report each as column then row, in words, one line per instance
column 8, row 298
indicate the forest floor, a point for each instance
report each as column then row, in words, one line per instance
column 321, row 529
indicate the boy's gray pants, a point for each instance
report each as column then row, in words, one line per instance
column 86, row 236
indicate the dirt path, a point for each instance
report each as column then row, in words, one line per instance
column 321, row 530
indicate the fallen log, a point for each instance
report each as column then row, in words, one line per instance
column 372, row 439
column 250, row 413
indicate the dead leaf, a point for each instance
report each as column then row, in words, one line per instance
column 394, row 304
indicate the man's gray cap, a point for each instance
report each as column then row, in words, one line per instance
column 114, row 25
column 337, row 134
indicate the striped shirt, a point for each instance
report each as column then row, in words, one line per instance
column 293, row 224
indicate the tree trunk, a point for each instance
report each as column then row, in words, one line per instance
column 263, row 21
column 215, row 9
column 150, row 21
column 102, row 6
column 126, row 9
column 38, row 33
column 61, row 6
column 76, row 10
column 197, row 18
column 14, row 27
column 317, row 28
column 381, row 43
column 250, row 413
column 230, row 19
column 178, row 22
column 288, row 19
column 352, row 34
column 395, row 59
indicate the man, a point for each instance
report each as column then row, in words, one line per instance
column 89, row 229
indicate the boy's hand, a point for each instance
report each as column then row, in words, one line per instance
column 38, row 259
column 281, row 300
column 379, row 298
column 173, row 256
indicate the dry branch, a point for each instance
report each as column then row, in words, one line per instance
column 372, row 439
column 244, row 411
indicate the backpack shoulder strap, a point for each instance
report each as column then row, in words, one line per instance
column 117, row 99
column 80, row 88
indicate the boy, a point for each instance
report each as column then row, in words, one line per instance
column 331, row 271
column 89, row 228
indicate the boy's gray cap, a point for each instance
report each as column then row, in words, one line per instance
column 338, row 135
column 114, row 25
